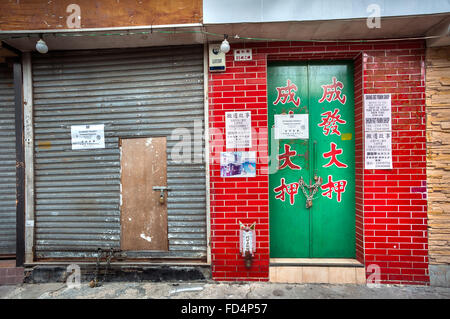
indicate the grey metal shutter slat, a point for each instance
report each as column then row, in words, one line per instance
column 135, row 92
column 7, row 163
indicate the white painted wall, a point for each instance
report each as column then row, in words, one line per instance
column 236, row 11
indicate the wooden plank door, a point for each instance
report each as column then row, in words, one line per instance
column 143, row 217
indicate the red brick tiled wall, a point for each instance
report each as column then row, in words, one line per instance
column 395, row 213
column 391, row 224
column 241, row 87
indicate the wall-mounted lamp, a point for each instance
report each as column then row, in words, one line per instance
column 41, row 46
column 225, row 46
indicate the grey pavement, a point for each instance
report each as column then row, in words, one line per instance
column 220, row 290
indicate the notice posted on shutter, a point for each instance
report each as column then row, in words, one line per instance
column 88, row 136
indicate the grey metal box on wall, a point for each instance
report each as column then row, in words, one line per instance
column 141, row 92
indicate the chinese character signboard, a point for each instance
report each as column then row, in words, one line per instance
column 286, row 94
column 88, row 136
column 238, row 126
column 378, row 132
column 330, row 122
column 333, row 91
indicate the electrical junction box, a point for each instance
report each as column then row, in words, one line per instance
column 216, row 59
column 243, row 55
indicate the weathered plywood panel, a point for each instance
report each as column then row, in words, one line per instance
column 44, row 14
column 143, row 217
column 438, row 153
column 5, row 53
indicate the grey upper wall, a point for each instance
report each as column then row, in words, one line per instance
column 238, row 11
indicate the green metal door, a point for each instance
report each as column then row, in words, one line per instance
column 312, row 156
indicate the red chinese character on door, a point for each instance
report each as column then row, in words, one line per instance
column 287, row 94
column 338, row 187
column 291, row 189
column 333, row 153
column 332, row 92
column 330, row 122
column 286, row 157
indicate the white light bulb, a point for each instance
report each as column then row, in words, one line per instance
column 41, row 46
column 225, row 46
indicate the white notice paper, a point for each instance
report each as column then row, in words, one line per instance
column 378, row 131
column 88, row 136
column 377, row 112
column 291, row 126
column 238, row 127
column 378, row 150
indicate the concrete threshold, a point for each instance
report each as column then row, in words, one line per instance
column 316, row 270
column 318, row 262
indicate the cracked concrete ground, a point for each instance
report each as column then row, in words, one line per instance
column 219, row 290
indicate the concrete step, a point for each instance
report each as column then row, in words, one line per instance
column 10, row 274
column 119, row 273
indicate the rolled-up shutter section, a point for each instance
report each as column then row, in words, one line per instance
column 7, row 163
column 134, row 93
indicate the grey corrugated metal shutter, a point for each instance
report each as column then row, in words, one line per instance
column 134, row 92
column 7, row 163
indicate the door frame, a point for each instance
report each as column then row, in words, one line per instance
column 358, row 69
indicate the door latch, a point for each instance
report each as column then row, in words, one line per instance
column 312, row 189
column 161, row 195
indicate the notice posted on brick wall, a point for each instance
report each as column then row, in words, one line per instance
column 378, row 131
column 238, row 129
column 377, row 112
column 378, row 150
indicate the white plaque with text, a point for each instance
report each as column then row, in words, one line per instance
column 88, row 136
column 291, row 126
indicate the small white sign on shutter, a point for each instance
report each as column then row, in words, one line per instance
column 88, row 136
